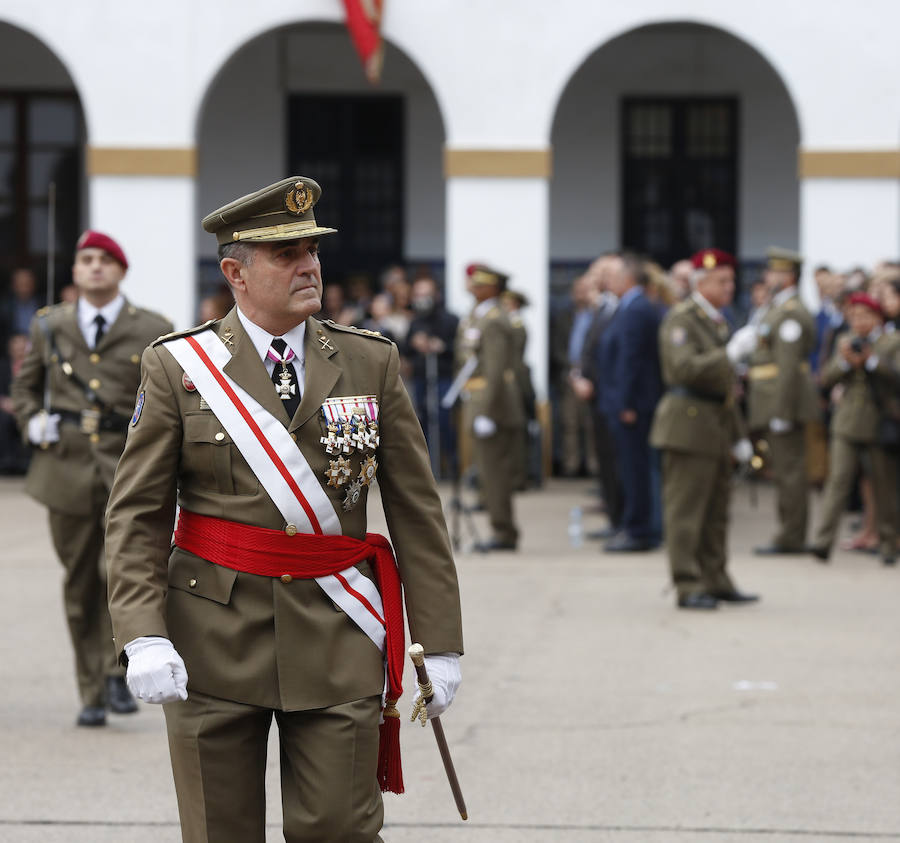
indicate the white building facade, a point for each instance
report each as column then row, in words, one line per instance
column 528, row 136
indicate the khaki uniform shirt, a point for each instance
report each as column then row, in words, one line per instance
column 781, row 385
column 698, row 413
column 63, row 475
column 250, row 638
column 493, row 389
column 856, row 413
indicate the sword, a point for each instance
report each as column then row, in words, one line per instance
column 417, row 654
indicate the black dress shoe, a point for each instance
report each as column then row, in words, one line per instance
column 605, row 533
column 92, row 715
column 494, row 544
column 697, row 601
column 623, row 543
column 118, row 697
column 888, row 560
column 777, row 550
column 735, row 596
column 821, row 553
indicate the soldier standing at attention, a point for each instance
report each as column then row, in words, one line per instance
column 73, row 398
column 513, row 302
column 697, row 427
column 492, row 403
column 267, row 428
column 782, row 396
column 866, row 365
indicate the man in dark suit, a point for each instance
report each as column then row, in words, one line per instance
column 629, row 358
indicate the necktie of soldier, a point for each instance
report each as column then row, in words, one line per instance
column 100, row 322
column 284, row 375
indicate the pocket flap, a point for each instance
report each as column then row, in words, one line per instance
column 197, row 576
column 204, row 427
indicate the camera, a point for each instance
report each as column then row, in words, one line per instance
column 858, row 345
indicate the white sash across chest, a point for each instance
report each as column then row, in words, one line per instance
column 280, row 467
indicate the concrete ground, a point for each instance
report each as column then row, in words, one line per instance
column 590, row 710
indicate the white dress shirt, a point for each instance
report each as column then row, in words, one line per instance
column 87, row 313
column 262, row 341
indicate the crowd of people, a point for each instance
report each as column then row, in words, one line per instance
column 664, row 388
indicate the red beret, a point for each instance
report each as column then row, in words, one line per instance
column 711, row 258
column 866, row 301
column 98, row 240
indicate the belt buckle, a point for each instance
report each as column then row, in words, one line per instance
column 90, row 422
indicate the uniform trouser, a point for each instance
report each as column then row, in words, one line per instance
column 845, row 458
column 577, row 432
column 329, row 756
column 788, row 452
column 78, row 540
column 696, row 493
column 495, row 458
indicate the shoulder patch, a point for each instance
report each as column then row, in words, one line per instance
column 351, row 329
column 790, row 330
column 176, row 334
column 678, row 335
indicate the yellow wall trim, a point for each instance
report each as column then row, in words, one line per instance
column 151, row 161
column 849, row 164
column 498, row 163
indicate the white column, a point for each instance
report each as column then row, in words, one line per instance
column 847, row 222
column 154, row 220
column 503, row 222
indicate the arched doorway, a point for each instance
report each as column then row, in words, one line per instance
column 295, row 100
column 42, row 137
column 670, row 138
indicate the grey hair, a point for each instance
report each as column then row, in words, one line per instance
column 242, row 252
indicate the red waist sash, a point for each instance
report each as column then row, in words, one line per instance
column 274, row 553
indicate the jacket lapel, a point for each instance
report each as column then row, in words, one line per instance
column 120, row 328
column 69, row 328
column 321, row 373
column 246, row 367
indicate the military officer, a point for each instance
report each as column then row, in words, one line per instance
column 73, row 397
column 267, row 428
column 513, row 302
column 697, row 427
column 782, row 396
column 866, row 364
column 493, row 410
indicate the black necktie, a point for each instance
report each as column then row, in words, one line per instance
column 100, row 322
column 284, row 376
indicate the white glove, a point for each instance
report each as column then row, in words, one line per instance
column 780, row 425
column 156, row 673
column 484, row 426
column 443, row 671
column 742, row 450
column 43, row 427
column 742, row 344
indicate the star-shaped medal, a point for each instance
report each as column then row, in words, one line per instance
column 338, row 472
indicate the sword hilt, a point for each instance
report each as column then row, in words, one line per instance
column 426, row 690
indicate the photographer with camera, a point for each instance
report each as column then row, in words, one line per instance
column 863, row 376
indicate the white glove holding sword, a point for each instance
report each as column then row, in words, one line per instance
column 444, row 673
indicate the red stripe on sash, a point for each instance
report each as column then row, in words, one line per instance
column 361, row 598
column 267, row 447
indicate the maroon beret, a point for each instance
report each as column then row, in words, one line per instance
column 711, row 258
column 866, row 301
column 98, row 240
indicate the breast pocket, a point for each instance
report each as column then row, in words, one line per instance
column 211, row 459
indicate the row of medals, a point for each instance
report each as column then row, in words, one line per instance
column 345, row 436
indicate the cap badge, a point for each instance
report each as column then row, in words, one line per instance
column 709, row 261
column 299, row 199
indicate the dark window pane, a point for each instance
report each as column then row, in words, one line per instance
column 7, row 121
column 53, row 120
column 46, row 167
column 7, row 174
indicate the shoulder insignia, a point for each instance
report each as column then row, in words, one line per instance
column 43, row 311
column 352, row 329
column 176, row 334
column 791, row 304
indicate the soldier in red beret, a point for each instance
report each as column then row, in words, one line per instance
column 73, row 399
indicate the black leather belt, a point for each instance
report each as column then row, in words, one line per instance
column 696, row 395
column 93, row 421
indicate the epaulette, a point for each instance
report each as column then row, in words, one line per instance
column 351, row 329
column 176, row 334
column 791, row 304
column 685, row 306
column 133, row 309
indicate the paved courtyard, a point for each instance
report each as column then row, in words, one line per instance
column 590, row 710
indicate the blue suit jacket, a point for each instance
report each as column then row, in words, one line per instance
column 629, row 358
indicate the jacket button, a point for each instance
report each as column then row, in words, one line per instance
column 286, row 578
column 294, row 436
column 95, row 358
column 692, row 411
column 220, row 436
column 93, row 383
column 291, row 530
column 192, row 583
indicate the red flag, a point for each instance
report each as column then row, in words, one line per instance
column 364, row 25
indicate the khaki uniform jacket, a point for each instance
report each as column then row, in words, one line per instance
column 493, row 389
column 698, row 413
column 781, row 385
column 62, row 476
column 856, row 414
column 250, row 638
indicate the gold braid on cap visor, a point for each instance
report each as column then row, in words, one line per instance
column 275, row 230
